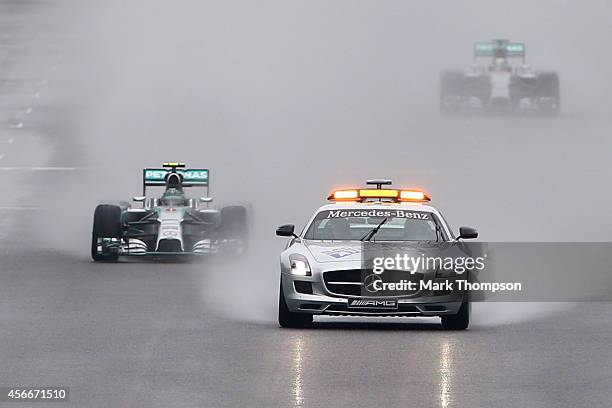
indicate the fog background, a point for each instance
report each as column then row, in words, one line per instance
column 285, row 100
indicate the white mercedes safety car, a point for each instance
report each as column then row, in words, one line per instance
column 326, row 269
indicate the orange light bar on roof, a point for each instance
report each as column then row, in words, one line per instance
column 417, row 196
column 344, row 195
column 378, row 193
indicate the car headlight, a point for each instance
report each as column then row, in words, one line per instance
column 299, row 265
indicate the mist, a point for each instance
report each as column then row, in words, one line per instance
column 285, row 100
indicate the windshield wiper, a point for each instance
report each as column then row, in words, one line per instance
column 373, row 231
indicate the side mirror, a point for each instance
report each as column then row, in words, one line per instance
column 286, row 231
column 206, row 199
column 467, row 233
column 139, row 199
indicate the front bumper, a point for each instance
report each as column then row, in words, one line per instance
column 323, row 302
column 132, row 247
column 522, row 106
column 162, row 254
column 137, row 248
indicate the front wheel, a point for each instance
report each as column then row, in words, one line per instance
column 286, row 318
column 459, row 321
column 106, row 225
column 548, row 93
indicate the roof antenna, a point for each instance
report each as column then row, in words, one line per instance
column 379, row 183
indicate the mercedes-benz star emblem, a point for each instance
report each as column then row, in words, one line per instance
column 369, row 282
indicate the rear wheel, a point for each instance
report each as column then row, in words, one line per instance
column 290, row 319
column 234, row 228
column 459, row 321
column 106, row 225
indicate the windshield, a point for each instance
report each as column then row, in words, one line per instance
column 354, row 224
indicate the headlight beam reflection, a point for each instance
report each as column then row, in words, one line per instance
column 446, row 374
column 297, row 386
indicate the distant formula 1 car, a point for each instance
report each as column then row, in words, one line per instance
column 498, row 86
column 170, row 226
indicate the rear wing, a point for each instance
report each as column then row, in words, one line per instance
column 191, row 177
column 499, row 48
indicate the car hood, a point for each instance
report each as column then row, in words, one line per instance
column 338, row 251
column 351, row 251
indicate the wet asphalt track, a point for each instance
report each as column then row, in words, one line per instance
column 162, row 335
column 142, row 335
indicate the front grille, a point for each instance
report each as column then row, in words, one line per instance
column 348, row 282
column 169, row 245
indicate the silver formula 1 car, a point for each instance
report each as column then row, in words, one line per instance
column 171, row 225
column 326, row 269
column 498, row 86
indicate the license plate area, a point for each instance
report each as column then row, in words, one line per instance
column 374, row 304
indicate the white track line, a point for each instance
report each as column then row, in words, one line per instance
column 39, row 168
column 19, row 208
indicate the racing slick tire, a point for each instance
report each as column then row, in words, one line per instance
column 520, row 88
column 235, row 227
column 548, row 88
column 289, row 319
column 459, row 321
column 106, row 224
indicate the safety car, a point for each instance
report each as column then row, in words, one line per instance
column 327, row 269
